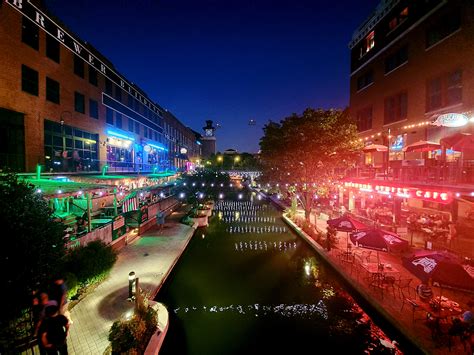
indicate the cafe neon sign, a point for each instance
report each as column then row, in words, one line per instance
column 451, row 120
column 404, row 192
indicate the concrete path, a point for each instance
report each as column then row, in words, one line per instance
column 152, row 257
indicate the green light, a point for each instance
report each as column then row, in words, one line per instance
column 104, row 169
column 38, row 172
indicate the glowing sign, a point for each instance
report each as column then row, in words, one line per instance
column 120, row 135
column 404, row 192
column 451, row 120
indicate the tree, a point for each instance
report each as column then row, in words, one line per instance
column 32, row 245
column 307, row 153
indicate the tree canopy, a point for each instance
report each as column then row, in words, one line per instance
column 32, row 245
column 309, row 151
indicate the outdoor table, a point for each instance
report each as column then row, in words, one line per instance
column 444, row 312
column 373, row 269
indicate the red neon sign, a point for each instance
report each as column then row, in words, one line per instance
column 407, row 192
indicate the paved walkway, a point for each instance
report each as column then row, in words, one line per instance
column 389, row 303
column 152, row 257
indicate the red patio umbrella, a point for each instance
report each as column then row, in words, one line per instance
column 422, row 146
column 459, row 141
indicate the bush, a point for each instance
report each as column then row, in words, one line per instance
column 90, row 262
column 132, row 335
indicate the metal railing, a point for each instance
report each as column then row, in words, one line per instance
column 435, row 172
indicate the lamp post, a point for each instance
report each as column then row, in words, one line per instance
column 131, row 286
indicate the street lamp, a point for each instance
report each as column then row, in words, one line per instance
column 131, row 285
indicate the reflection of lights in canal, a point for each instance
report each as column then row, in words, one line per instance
column 285, row 310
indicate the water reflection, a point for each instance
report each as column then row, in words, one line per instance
column 234, row 286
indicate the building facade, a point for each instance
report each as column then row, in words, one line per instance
column 412, row 84
column 412, row 75
column 65, row 106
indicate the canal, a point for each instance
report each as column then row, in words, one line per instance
column 246, row 285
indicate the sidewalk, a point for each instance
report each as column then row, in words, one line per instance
column 389, row 303
column 152, row 257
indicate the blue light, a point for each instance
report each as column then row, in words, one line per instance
column 120, row 135
column 158, row 147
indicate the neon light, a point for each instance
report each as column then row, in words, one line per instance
column 120, row 135
column 158, row 147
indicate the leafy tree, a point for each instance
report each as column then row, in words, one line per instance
column 32, row 245
column 308, row 152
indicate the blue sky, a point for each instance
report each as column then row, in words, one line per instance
column 225, row 60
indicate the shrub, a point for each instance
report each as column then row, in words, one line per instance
column 90, row 262
column 132, row 335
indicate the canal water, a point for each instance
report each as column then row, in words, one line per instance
column 247, row 285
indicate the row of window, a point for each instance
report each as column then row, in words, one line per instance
column 442, row 91
column 30, row 84
column 435, row 33
column 30, row 36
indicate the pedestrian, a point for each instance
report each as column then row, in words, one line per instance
column 451, row 234
column 424, row 291
column 160, row 221
column 54, row 332
column 59, row 293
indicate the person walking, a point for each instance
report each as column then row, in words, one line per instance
column 58, row 293
column 54, row 331
column 160, row 221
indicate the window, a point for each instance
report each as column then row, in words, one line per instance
column 454, row 94
column 108, row 86
column 118, row 120
column 443, row 28
column 396, row 108
column 397, row 20
column 137, row 127
column 365, row 80
column 93, row 109
column 118, row 93
column 52, row 90
column 29, row 80
column 78, row 66
column 109, row 116
column 445, row 90
column 396, row 59
column 52, row 48
column 368, row 44
column 93, row 76
column 30, row 33
column 130, row 101
column 145, row 132
column 364, row 119
column 79, row 102
column 130, row 125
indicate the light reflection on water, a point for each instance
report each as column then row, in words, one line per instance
column 229, row 285
column 284, row 310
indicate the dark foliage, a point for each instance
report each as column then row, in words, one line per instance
column 89, row 261
column 32, row 245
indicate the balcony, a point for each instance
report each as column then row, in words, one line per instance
column 419, row 171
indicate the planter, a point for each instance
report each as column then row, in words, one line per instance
column 156, row 341
column 200, row 221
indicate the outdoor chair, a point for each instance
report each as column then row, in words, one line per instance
column 403, row 284
column 412, row 302
column 460, row 330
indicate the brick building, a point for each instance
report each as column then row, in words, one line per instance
column 412, row 81
column 412, row 75
column 65, row 106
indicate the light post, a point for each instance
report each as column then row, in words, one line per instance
column 131, row 286
column 236, row 160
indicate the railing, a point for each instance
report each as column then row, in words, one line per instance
column 432, row 171
column 97, row 165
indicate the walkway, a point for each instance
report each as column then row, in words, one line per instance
column 388, row 302
column 152, row 257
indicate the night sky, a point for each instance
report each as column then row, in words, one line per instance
column 225, row 60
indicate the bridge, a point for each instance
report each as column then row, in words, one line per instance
column 243, row 174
